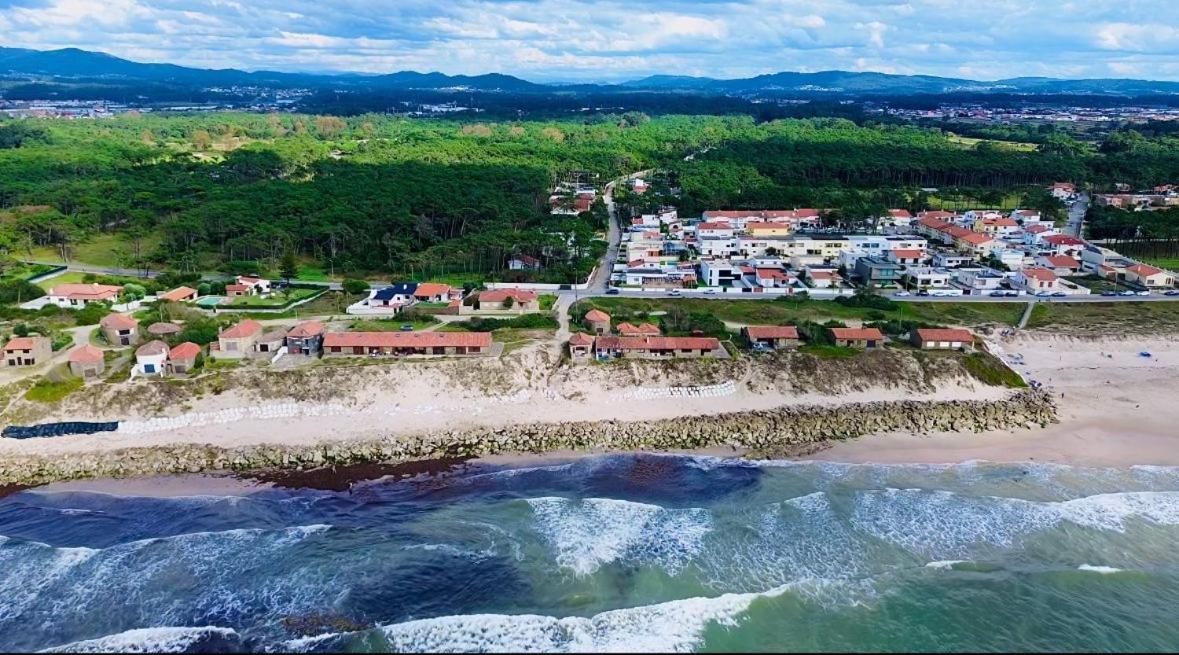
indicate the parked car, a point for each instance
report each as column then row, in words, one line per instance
column 1172, row 292
column 902, row 294
column 407, row 328
column 1011, row 294
column 710, row 291
column 676, row 292
column 1126, row 293
column 1059, row 294
column 1144, row 293
column 997, row 294
column 1109, row 293
column 612, row 291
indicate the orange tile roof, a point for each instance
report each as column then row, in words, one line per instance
column 642, row 330
column 857, row 334
column 431, row 289
column 656, row 343
column 186, row 350
column 945, row 334
column 1062, row 261
column 905, row 253
column 499, row 295
column 1144, row 270
column 974, row 238
column 772, row 332
column 597, row 316
column 179, row 293
column 118, row 322
column 306, row 329
column 581, row 339
column 86, row 354
column 1037, row 273
column 85, row 291
column 21, row 343
column 246, row 328
column 406, row 339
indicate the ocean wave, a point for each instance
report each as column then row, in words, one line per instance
column 945, row 564
column 1104, row 570
column 587, row 534
column 673, row 626
column 149, row 640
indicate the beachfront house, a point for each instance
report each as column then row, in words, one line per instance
column 1149, row 276
column 378, row 344
column 182, row 358
column 941, row 338
column 597, row 321
column 305, row 338
column 581, row 347
column 238, row 341
column 27, row 351
column 500, row 300
column 859, row 338
column 119, row 329
column 771, row 337
column 151, row 358
column 77, row 296
column 180, row 294
column 86, row 362
column 609, row 347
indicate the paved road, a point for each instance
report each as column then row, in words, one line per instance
column 1076, row 216
column 605, row 268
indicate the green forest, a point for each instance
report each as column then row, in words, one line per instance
column 381, row 196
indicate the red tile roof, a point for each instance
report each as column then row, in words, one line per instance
column 179, row 293
column 306, row 329
column 1143, row 270
column 772, row 332
column 642, row 330
column 86, row 354
column 711, row 225
column 431, row 289
column 1062, row 261
column 1063, row 240
column 945, row 334
column 118, row 322
column 406, row 339
column 857, row 334
column 900, row 213
column 236, row 287
column 1000, row 222
column 656, row 343
column 21, row 343
column 85, row 291
column 974, row 238
column 185, row 351
column 597, row 316
column 905, row 253
column 581, row 339
column 246, row 328
column 499, row 295
column 1041, row 274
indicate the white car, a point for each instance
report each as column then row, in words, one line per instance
column 676, row 292
column 902, row 294
column 1144, row 293
column 710, row 291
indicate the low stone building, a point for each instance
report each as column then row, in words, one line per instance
column 163, row 330
column 239, row 340
column 119, row 329
column 152, row 358
column 656, row 347
column 271, row 341
column 861, row 338
column 305, row 338
column 581, row 347
column 597, row 321
column 87, row 362
column 517, row 300
column 376, row 344
column 182, row 358
column 27, row 351
column 640, row 330
column 941, row 338
column 771, row 337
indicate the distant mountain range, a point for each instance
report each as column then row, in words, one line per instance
column 82, row 66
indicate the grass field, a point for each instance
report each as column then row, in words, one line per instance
column 786, row 312
column 388, row 325
column 24, row 271
column 276, row 300
column 1169, row 263
column 98, row 250
column 970, row 142
column 1113, row 318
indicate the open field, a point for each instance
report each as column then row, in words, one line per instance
column 1106, row 318
column 1169, row 263
column 970, row 142
column 276, row 300
column 784, row 312
column 104, row 250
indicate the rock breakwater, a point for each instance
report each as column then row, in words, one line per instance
column 764, row 433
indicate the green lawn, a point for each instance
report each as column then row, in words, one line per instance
column 24, row 271
column 72, row 277
column 388, row 325
column 1169, row 263
column 786, row 312
column 276, row 300
column 98, row 250
column 1115, row 317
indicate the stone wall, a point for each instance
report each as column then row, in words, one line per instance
column 765, row 433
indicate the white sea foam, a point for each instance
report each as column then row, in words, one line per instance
column 589, row 533
column 945, row 564
column 1104, row 570
column 674, row 626
column 144, row 640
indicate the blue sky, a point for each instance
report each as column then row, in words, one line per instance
column 582, row 40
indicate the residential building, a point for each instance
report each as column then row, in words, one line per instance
column 238, row 340
column 509, row 300
column 597, row 321
column 861, row 338
column 76, row 296
column 1037, row 280
column 906, row 257
column 720, row 273
column 771, row 337
column 180, row 294
column 1149, row 276
column 877, row 272
column 182, row 358
column 1059, row 264
column 27, row 351
column 640, row 330
column 247, row 285
column 86, row 362
column 524, row 263
column 822, row 278
column 996, row 226
column 608, row 347
column 271, row 341
column 435, row 292
column 979, row 281
column 375, row 344
column 715, row 230
column 306, row 338
column 941, row 338
column 119, row 329
column 1062, row 190
column 1063, row 244
column 978, row 245
column 924, row 278
column 581, row 347
column 948, row 259
column 151, row 358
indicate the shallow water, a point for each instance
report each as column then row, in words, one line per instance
column 611, row 553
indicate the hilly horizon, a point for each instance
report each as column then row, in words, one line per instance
column 86, row 65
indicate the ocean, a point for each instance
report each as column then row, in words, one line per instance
column 612, row 553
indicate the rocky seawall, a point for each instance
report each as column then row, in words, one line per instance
column 766, row 433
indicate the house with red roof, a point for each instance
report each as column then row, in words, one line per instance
column 78, row 295
column 119, row 329
column 640, row 330
column 581, row 346
column 435, row 292
column 500, row 300
column 941, row 338
column 610, row 347
column 238, row 340
column 182, row 358
column 306, row 338
column 151, row 359
column 1037, row 280
column 771, row 337
column 86, row 362
column 1149, row 276
column 597, row 321
column 27, row 351
column 388, row 344
column 860, row 338
column 180, row 294
column 248, row 285
column 1063, row 244
column 1059, row 264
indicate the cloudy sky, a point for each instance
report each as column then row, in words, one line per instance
column 549, row 40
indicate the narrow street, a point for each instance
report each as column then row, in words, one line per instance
column 1076, row 216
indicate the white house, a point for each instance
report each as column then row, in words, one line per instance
column 151, row 358
column 1150, row 276
column 926, row 277
column 79, row 295
column 720, row 273
column 1037, row 280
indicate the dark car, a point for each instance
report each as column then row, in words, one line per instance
column 1172, row 292
column 407, row 328
column 612, row 292
column 1109, row 293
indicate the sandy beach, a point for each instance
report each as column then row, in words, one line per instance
column 1115, row 409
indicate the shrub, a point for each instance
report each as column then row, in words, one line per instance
column 868, row 300
column 92, row 313
column 12, row 291
column 204, row 289
column 20, row 330
column 201, row 331
column 132, row 291
column 355, row 287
